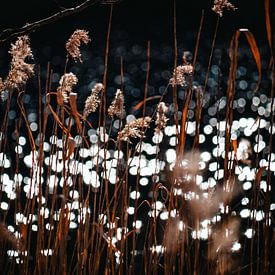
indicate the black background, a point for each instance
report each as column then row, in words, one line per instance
column 142, row 18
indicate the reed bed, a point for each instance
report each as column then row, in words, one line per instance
column 73, row 204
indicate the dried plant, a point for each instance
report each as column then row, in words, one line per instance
column 161, row 119
column 80, row 182
column 179, row 75
column 66, row 84
column 117, row 106
column 20, row 71
column 220, row 5
column 74, row 42
column 134, row 129
column 93, row 100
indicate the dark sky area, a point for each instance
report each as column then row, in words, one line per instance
column 134, row 23
column 142, row 18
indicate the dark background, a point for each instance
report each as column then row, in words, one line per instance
column 143, row 18
column 134, row 23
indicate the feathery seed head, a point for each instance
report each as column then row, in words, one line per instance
column 134, row 129
column 74, row 42
column 161, row 119
column 66, row 83
column 117, row 106
column 20, row 71
column 93, row 100
column 220, row 5
column 180, row 73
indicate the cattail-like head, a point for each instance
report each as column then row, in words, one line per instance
column 161, row 119
column 134, row 129
column 66, row 83
column 93, row 100
column 179, row 75
column 20, row 71
column 220, row 5
column 74, row 42
column 117, row 106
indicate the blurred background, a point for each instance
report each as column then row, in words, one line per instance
column 135, row 22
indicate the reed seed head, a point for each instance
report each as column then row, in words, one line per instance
column 93, row 100
column 179, row 75
column 134, row 129
column 161, row 119
column 74, row 42
column 66, row 83
column 220, row 5
column 117, row 106
column 20, row 71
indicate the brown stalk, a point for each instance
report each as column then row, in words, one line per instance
column 189, row 94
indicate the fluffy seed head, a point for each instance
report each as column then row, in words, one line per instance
column 20, row 71
column 134, row 129
column 220, row 5
column 66, row 83
column 180, row 73
column 74, row 42
column 117, row 106
column 93, row 100
column 161, row 119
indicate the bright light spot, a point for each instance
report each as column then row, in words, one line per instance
column 259, row 215
column 245, row 213
column 158, row 205
column 131, row 210
column 181, row 226
column 73, row 225
column 249, row 233
column 134, row 195
column 164, row 215
column 157, row 138
column 173, row 141
column 47, row 252
column 22, row 141
column 171, row 155
column 214, row 166
column 208, row 129
column 236, row 246
column 4, row 206
column 206, row 156
column 157, row 249
column 247, row 185
column 34, row 227
column 137, row 224
column 245, row 201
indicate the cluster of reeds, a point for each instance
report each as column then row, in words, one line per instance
column 80, row 213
